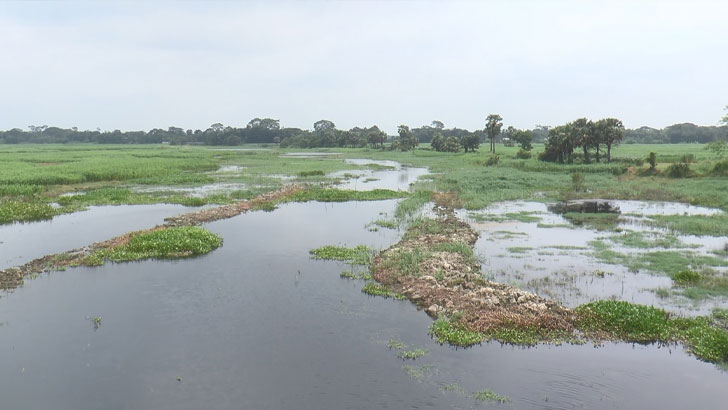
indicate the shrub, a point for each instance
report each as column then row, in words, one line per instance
column 523, row 154
column 721, row 168
column 679, row 170
column 494, row 160
column 652, row 160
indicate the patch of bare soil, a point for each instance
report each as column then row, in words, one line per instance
column 12, row 278
column 449, row 282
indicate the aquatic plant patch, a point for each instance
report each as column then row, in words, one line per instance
column 490, row 395
column 360, row 254
column 22, row 211
column 446, row 331
column 375, row 289
column 165, row 243
column 617, row 320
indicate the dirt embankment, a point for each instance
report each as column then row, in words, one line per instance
column 12, row 278
column 231, row 210
column 451, row 281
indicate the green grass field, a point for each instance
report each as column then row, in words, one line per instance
column 34, row 176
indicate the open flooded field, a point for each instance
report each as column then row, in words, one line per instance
column 259, row 323
column 527, row 244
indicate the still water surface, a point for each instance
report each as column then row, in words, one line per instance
column 256, row 324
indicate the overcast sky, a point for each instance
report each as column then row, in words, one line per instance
column 139, row 66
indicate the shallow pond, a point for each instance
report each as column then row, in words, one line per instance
column 550, row 256
column 197, row 191
column 394, row 177
column 23, row 242
column 258, row 325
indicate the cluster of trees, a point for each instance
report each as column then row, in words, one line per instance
column 585, row 134
column 325, row 134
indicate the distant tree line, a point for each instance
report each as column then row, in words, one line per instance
column 325, row 134
column 677, row 133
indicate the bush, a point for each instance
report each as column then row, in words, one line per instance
column 523, row 154
column 652, row 160
column 494, row 160
column 679, row 170
column 721, row 168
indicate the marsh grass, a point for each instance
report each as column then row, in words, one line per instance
column 598, row 221
column 412, row 204
column 315, row 172
column 355, row 275
column 665, row 262
column 359, row 255
column 383, row 223
column 21, row 211
column 375, row 289
column 617, row 320
column 522, row 216
column 712, row 225
column 701, row 285
column 406, row 261
column 340, row 195
column 636, row 239
column 448, row 331
column 519, row 249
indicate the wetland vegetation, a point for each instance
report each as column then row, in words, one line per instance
column 454, row 227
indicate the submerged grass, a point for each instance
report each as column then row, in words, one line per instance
column 490, row 395
column 341, row 195
column 642, row 240
column 598, row 221
column 665, row 262
column 711, row 225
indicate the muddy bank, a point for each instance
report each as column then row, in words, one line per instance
column 231, row 210
column 13, row 277
column 447, row 280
